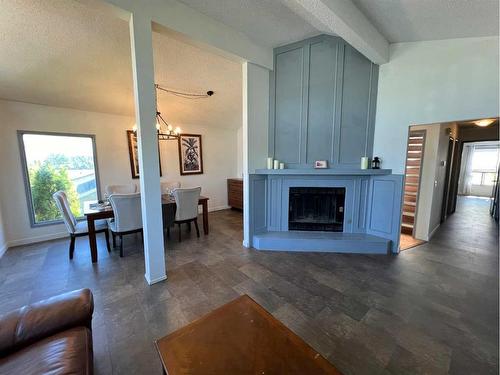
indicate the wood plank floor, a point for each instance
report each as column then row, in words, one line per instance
column 431, row 310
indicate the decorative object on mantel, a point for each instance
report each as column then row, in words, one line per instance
column 276, row 164
column 376, row 162
column 321, row 164
column 163, row 128
column 190, row 154
column 134, row 155
column 269, row 163
column 282, row 165
column 364, row 162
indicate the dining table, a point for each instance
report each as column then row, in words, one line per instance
column 93, row 212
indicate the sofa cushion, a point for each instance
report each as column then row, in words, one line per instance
column 68, row 352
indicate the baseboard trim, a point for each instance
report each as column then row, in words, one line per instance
column 3, row 249
column 433, row 232
column 31, row 240
column 55, row 236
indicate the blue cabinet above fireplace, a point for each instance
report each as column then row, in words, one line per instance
column 323, row 97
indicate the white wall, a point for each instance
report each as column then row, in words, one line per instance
column 432, row 182
column 433, row 82
column 239, row 150
column 3, row 239
column 219, row 160
column 255, row 133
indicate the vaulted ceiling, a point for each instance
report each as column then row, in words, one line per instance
column 417, row 20
column 63, row 53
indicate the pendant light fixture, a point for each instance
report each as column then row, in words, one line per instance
column 165, row 130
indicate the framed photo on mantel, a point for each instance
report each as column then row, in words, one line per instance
column 133, row 152
column 190, row 154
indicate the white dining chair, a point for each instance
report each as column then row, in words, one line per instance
column 77, row 228
column 120, row 189
column 168, row 186
column 186, row 201
column 127, row 216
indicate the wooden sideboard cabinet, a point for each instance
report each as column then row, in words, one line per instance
column 235, row 193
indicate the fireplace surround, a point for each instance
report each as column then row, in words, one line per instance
column 366, row 222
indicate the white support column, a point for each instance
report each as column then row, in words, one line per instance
column 255, row 133
column 145, row 113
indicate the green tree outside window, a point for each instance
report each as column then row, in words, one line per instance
column 45, row 180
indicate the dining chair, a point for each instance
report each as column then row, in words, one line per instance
column 120, row 189
column 168, row 186
column 186, row 201
column 127, row 216
column 77, row 228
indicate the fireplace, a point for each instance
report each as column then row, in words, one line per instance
column 316, row 209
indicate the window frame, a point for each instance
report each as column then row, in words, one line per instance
column 25, row 172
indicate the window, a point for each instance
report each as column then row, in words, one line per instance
column 484, row 165
column 53, row 162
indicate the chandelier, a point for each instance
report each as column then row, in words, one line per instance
column 165, row 130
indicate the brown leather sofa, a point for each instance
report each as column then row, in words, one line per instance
column 51, row 336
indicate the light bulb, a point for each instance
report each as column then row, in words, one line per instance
column 177, row 130
column 134, row 128
column 157, row 126
column 169, row 127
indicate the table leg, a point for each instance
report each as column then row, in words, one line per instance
column 205, row 216
column 92, row 239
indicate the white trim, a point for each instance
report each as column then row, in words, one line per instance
column 154, row 281
column 433, row 232
column 3, row 249
column 30, row 240
column 218, row 208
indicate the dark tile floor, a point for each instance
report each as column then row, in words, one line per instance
column 431, row 310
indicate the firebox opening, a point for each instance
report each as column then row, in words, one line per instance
column 316, row 209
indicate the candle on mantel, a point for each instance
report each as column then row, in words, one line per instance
column 282, row 165
column 269, row 163
column 364, row 162
column 276, row 164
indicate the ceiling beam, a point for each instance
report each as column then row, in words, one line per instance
column 190, row 26
column 343, row 18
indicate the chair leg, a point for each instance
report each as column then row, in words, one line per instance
column 121, row 246
column 114, row 239
column 197, row 229
column 106, row 234
column 71, row 246
column 179, row 232
column 142, row 236
column 189, row 226
column 168, row 232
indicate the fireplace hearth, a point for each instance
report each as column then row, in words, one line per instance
column 316, row 209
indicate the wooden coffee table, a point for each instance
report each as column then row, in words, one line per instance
column 239, row 338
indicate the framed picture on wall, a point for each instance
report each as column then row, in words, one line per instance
column 133, row 152
column 190, row 154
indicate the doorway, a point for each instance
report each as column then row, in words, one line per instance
column 456, row 159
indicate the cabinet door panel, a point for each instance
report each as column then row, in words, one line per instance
column 322, row 74
column 288, row 106
column 354, row 124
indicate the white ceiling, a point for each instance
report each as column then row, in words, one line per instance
column 417, row 20
column 61, row 53
column 267, row 22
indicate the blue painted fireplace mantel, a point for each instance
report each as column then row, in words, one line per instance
column 372, row 210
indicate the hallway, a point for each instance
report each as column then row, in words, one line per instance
column 464, row 256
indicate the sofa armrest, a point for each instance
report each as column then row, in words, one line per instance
column 34, row 322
